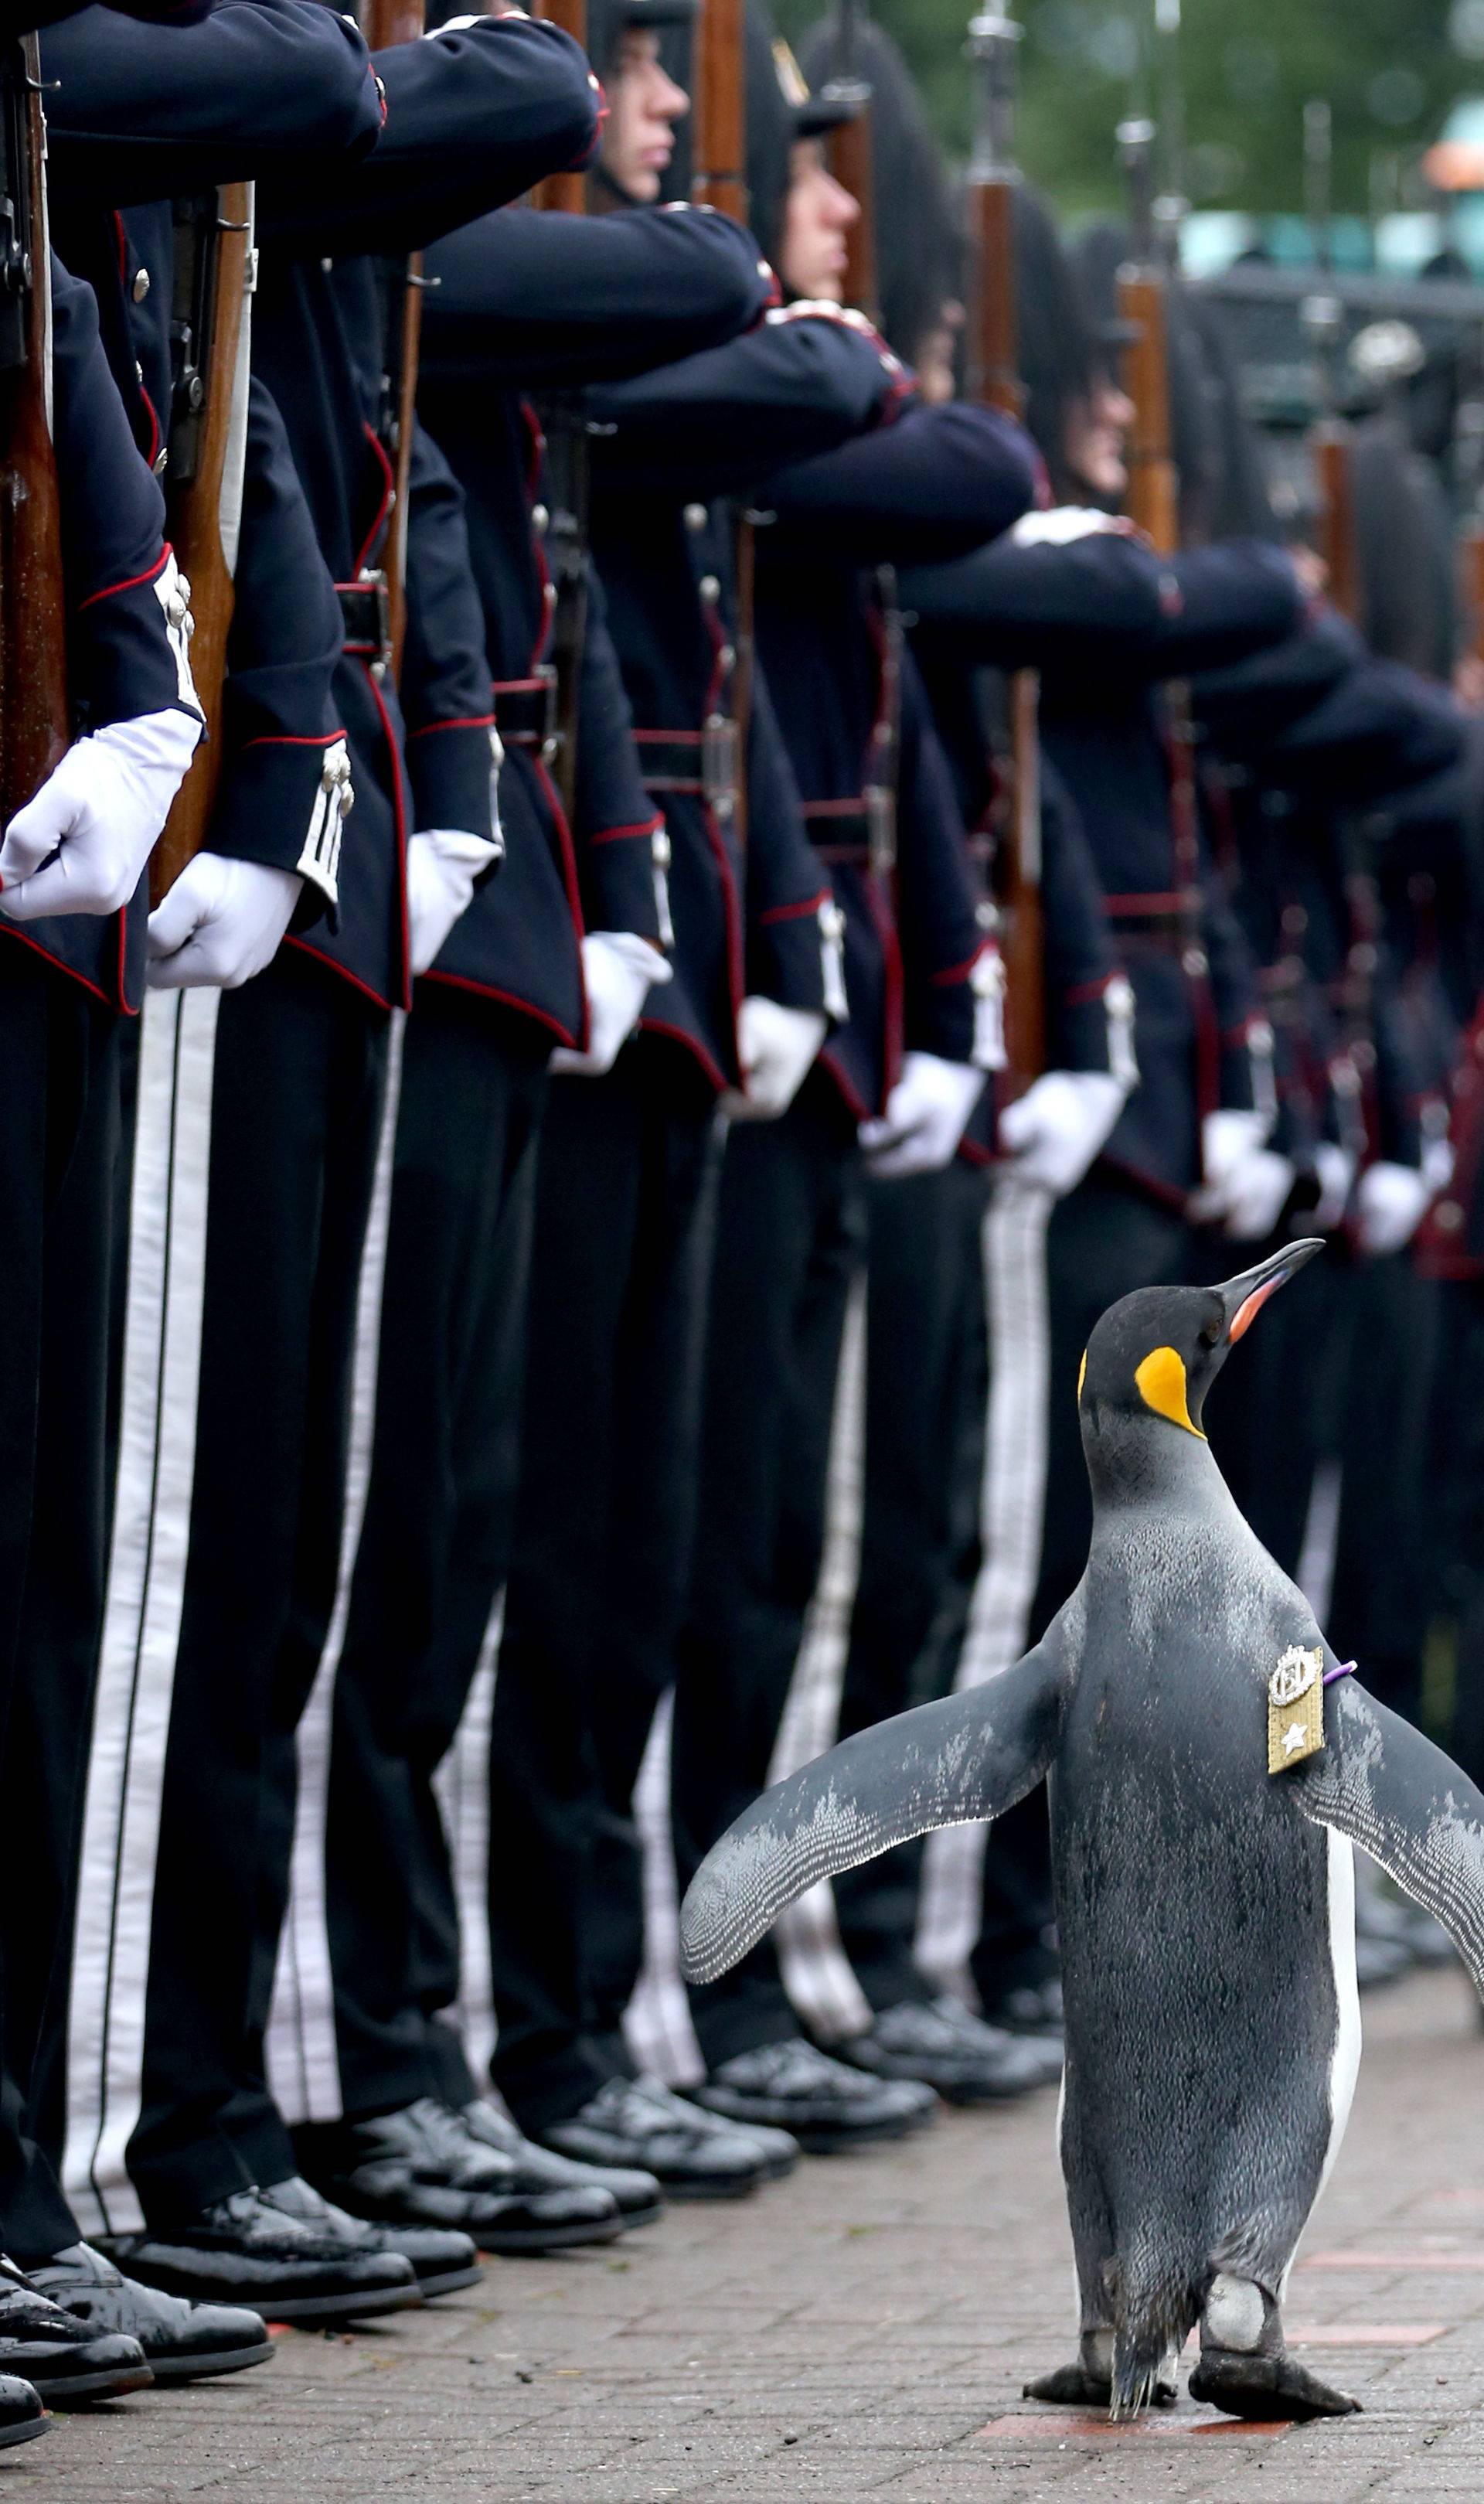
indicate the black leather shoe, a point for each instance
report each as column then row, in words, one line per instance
column 1029, row 2008
column 182, row 2342
column 954, row 2052
column 62, row 2358
column 293, row 2269
column 635, row 2195
column 21, row 2415
column 442, row 2261
column 637, row 2122
column 822, row 2103
column 424, row 2165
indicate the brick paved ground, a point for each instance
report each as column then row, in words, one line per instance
column 850, row 2333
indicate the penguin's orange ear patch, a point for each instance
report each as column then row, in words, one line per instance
column 1162, row 1388
column 1082, row 1374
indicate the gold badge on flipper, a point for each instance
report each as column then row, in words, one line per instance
column 1296, row 1709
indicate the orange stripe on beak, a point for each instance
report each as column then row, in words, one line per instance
column 1247, row 1312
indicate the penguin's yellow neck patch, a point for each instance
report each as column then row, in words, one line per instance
column 1162, row 1388
column 1081, row 1372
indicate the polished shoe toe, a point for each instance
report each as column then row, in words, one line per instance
column 252, row 2248
column 639, row 2122
column 955, row 2053
column 23, row 2415
column 441, row 2259
column 62, row 2359
column 635, row 2194
column 423, row 2165
column 823, row 2104
column 182, row 2342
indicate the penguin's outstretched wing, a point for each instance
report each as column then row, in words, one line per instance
column 971, row 1756
column 1390, row 1789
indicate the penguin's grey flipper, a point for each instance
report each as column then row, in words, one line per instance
column 1386, row 1787
column 950, row 1763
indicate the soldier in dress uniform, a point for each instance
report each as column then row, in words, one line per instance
column 267, row 1113
column 895, row 1083
column 563, row 949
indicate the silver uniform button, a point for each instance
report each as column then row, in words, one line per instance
column 695, row 517
column 539, row 518
column 141, row 287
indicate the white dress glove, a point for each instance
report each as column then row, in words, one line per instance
column 442, row 866
column 1227, row 1140
column 1257, row 1193
column 776, row 1047
column 1334, row 1168
column 1057, row 1127
column 1065, row 523
column 926, row 1115
column 619, row 969
column 1391, row 1203
column 220, row 924
column 99, row 813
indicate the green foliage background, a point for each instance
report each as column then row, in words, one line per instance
column 1390, row 68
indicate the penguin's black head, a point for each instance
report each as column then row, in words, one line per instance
column 1154, row 1355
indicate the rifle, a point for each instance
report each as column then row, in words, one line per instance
column 993, row 379
column 1151, row 498
column 34, row 722
column 209, row 332
column 850, row 162
column 1323, row 318
column 385, row 23
column 719, row 180
column 564, row 191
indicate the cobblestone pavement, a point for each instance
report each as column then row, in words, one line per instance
column 863, row 2330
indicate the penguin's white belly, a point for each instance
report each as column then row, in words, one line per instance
column 1345, row 2061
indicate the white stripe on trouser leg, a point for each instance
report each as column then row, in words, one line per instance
column 1011, row 1514
column 657, row 2021
column 816, row 1974
column 299, row 2048
column 142, row 1607
column 462, row 1785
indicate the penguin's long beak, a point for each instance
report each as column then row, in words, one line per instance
column 1244, row 1296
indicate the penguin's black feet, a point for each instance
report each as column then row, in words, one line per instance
column 1071, row 2386
column 1265, row 2386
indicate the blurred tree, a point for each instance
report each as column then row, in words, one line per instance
column 1390, row 68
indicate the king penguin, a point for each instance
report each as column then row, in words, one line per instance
column 1204, row 1902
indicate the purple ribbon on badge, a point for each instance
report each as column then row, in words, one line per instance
column 1343, row 1671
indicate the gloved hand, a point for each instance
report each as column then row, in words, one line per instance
column 1335, row 1168
column 1055, row 1128
column 1227, row 1140
column 220, row 924
column 777, row 1048
column 1257, row 1193
column 1391, row 1203
column 99, row 812
column 619, row 969
column 926, row 1115
column 1064, row 523
column 442, row 866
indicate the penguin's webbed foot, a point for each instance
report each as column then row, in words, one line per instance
column 1071, row 2386
column 1265, row 2386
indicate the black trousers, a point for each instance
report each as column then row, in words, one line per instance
column 926, row 1388
column 434, row 1541
column 1104, row 1241
column 296, row 1100
column 790, row 1234
column 60, row 1144
column 625, row 1216
column 1458, row 1487
column 1275, row 1411
column 1380, row 1601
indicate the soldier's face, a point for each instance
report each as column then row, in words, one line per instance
column 1096, row 429
column 644, row 104
column 817, row 217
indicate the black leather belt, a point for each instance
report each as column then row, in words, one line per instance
column 672, row 761
column 366, row 613
column 525, row 711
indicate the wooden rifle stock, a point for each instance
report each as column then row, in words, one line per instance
column 1151, row 498
column 385, row 23
column 992, row 375
column 567, row 191
column 214, row 250
column 34, row 722
column 1472, row 560
column 720, row 115
column 1329, row 443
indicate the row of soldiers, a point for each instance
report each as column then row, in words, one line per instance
column 545, row 1277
